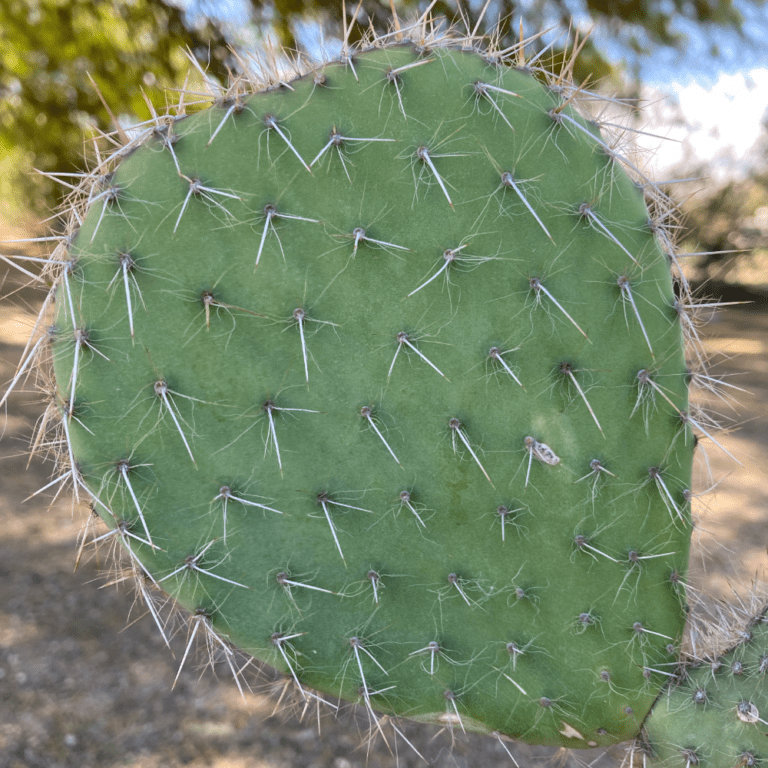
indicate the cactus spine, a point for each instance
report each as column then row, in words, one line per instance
column 379, row 372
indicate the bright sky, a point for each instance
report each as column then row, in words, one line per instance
column 721, row 122
column 713, row 103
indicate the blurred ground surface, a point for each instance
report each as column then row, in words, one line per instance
column 79, row 688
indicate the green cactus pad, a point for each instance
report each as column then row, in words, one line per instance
column 379, row 374
column 716, row 714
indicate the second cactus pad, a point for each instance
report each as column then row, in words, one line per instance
column 713, row 713
column 379, row 374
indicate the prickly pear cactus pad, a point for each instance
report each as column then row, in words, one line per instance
column 716, row 713
column 380, row 374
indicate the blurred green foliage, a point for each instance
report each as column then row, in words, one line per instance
column 48, row 48
column 48, row 104
column 657, row 16
column 730, row 226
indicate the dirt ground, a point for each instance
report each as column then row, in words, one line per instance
column 86, row 679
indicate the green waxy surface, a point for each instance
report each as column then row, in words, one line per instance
column 715, row 715
column 590, row 616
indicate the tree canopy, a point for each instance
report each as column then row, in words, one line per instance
column 54, row 54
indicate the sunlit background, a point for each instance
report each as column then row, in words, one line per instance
column 78, row 687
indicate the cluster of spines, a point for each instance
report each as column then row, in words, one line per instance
column 107, row 193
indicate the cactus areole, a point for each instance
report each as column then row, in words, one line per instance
column 379, row 373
